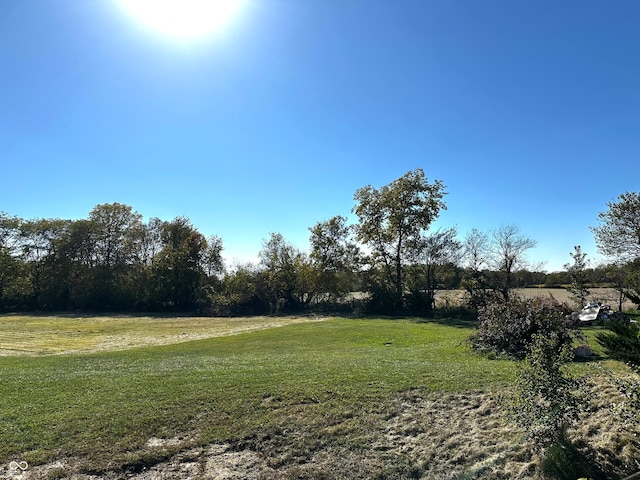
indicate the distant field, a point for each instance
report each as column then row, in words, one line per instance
column 331, row 399
column 604, row 295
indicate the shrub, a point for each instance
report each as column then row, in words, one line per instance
column 545, row 402
column 506, row 327
column 621, row 340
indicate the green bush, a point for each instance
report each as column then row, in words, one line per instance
column 506, row 327
column 546, row 402
column 621, row 340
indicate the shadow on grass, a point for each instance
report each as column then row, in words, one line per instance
column 565, row 461
column 451, row 321
column 441, row 320
column 593, row 358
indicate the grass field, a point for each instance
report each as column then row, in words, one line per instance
column 151, row 398
column 600, row 294
column 53, row 334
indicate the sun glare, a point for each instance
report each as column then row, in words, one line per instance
column 183, row 19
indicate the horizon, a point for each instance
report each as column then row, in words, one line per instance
column 526, row 112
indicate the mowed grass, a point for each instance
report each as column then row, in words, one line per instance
column 20, row 334
column 104, row 406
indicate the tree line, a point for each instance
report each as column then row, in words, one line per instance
column 113, row 261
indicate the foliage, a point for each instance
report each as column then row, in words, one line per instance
column 618, row 235
column 177, row 270
column 391, row 221
column 113, row 261
column 110, row 261
column 289, row 278
column 578, row 288
column 507, row 327
column 630, row 286
column 474, row 280
column 621, row 340
column 335, row 258
column 546, row 402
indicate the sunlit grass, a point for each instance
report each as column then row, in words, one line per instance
column 39, row 335
column 105, row 406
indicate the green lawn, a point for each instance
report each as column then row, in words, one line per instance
column 105, row 406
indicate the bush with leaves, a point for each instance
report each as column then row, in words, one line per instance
column 546, row 400
column 621, row 340
column 506, row 327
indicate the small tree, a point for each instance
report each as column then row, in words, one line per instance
column 243, row 292
column 578, row 288
column 631, row 282
column 545, row 402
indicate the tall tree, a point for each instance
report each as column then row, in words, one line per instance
column 177, row 269
column 148, row 242
column 492, row 262
column 393, row 217
column 475, row 256
column 433, row 254
column 335, row 257
column 286, row 273
column 10, row 265
column 40, row 239
column 74, row 263
column 618, row 235
column 115, row 229
column 507, row 254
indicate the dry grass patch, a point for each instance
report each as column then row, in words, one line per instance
column 38, row 335
column 450, row 436
column 436, row 436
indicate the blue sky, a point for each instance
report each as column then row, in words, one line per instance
column 528, row 111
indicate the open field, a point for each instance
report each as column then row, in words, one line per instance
column 604, row 295
column 332, row 399
column 54, row 334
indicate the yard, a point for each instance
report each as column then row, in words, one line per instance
column 174, row 398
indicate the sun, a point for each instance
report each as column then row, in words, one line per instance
column 183, row 19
